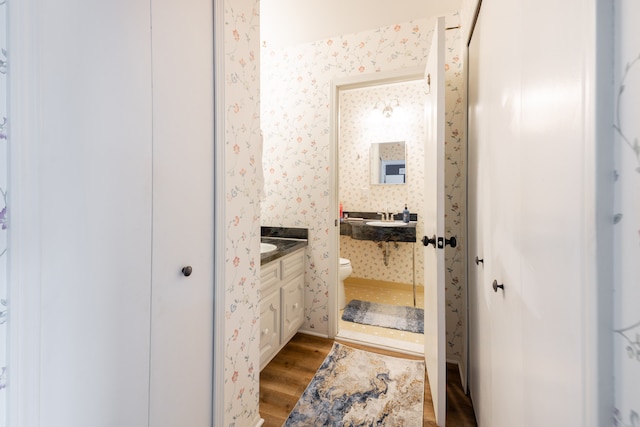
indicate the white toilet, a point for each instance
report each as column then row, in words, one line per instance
column 345, row 271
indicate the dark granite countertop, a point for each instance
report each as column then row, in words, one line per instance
column 287, row 240
column 285, row 247
column 356, row 227
column 361, row 231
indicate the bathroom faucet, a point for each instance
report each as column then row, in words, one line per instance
column 386, row 216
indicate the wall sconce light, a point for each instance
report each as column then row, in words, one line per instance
column 387, row 107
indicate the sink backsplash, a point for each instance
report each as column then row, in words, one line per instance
column 284, row 232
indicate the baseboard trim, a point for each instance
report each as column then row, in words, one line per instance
column 313, row 333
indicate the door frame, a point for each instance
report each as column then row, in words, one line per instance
column 351, row 82
column 219, row 238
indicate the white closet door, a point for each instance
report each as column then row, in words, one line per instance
column 535, row 112
column 495, row 141
column 92, row 157
column 182, row 306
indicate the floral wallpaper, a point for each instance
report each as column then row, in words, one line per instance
column 627, row 218
column 3, row 214
column 360, row 125
column 243, row 169
column 455, row 194
column 295, row 122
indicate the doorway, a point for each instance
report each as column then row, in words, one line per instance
column 374, row 112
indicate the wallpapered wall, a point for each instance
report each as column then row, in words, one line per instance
column 627, row 219
column 3, row 213
column 243, row 170
column 360, row 125
column 455, row 194
column 295, row 121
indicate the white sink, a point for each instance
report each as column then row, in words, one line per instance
column 387, row 223
column 267, row 247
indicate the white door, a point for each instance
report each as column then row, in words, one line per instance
column 536, row 117
column 86, row 210
column 433, row 226
column 119, row 199
column 182, row 303
column 495, row 302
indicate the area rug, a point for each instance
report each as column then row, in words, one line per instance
column 358, row 388
column 410, row 319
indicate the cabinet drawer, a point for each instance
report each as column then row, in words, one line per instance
column 269, row 275
column 292, row 265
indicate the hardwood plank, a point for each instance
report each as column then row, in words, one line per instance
column 285, row 378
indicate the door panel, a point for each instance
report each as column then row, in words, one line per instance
column 434, row 294
column 182, row 306
column 92, row 156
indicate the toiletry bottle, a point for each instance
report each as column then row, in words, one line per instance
column 405, row 214
column 340, row 211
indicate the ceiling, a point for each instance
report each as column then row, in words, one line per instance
column 291, row 22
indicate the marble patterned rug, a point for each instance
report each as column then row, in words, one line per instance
column 358, row 388
column 410, row 319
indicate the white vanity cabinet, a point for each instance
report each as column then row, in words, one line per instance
column 281, row 303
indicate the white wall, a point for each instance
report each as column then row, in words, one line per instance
column 306, row 22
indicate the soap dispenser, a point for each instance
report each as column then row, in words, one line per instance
column 405, row 214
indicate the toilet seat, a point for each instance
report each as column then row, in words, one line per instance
column 344, row 261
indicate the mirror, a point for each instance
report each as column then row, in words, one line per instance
column 388, row 163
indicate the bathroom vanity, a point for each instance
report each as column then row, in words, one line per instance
column 282, row 266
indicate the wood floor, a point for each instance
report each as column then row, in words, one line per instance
column 285, row 378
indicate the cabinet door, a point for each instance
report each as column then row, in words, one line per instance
column 182, row 306
column 269, row 325
column 292, row 307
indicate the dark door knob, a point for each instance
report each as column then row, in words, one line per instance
column 479, row 260
column 496, row 286
column 442, row 242
column 187, row 270
column 429, row 241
